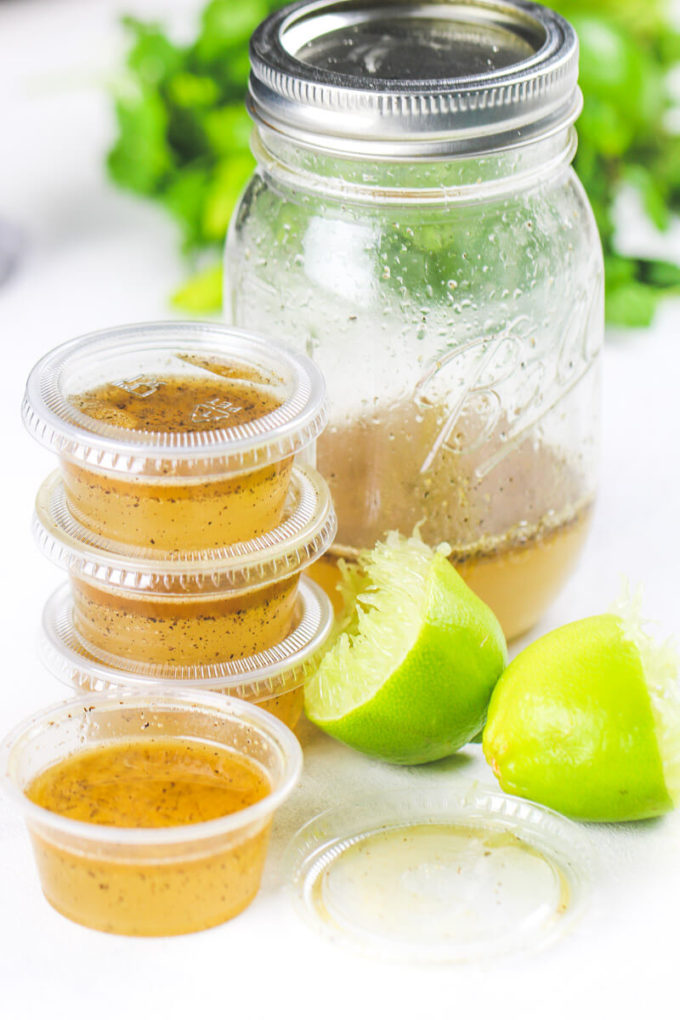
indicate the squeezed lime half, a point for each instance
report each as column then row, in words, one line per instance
column 586, row 720
column 410, row 675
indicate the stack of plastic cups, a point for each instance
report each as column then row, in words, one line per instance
column 184, row 510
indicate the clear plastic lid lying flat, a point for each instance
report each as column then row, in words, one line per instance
column 256, row 678
column 305, row 533
column 179, row 398
column 427, row 875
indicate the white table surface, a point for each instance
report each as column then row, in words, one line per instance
column 95, row 257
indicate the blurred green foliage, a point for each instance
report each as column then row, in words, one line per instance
column 183, row 133
column 628, row 48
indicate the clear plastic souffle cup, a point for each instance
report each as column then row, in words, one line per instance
column 175, row 434
column 273, row 679
column 151, row 881
column 189, row 608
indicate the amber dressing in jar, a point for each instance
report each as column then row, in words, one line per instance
column 536, row 568
column 527, row 549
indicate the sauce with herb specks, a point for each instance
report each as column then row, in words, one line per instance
column 181, row 508
column 149, row 784
column 175, row 631
column 179, row 403
column 152, row 889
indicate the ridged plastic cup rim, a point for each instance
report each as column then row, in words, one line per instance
column 273, row 672
column 266, row 725
column 306, row 532
column 321, row 843
column 56, row 424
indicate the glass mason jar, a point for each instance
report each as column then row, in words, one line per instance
column 415, row 227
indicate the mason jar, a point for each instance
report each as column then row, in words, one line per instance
column 414, row 226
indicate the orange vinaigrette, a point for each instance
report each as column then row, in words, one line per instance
column 286, row 706
column 168, row 403
column 518, row 580
column 172, row 631
column 151, row 783
column 515, row 515
column 183, row 512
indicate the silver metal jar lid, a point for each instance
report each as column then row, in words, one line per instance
column 397, row 78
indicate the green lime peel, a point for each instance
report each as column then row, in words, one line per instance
column 661, row 668
column 586, row 720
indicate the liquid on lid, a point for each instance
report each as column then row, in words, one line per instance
column 229, row 395
column 150, row 783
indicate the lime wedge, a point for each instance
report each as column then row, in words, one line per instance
column 409, row 677
column 586, row 720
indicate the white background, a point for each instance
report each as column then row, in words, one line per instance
column 95, row 257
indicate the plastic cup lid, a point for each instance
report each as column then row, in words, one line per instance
column 305, row 533
column 136, row 358
column 430, row 875
column 255, row 678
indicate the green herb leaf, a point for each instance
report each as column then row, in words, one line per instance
column 152, row 57
column 202, row 293
column 142, row 158
column 226, row 25
column 183, row 131
column 631, row 304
